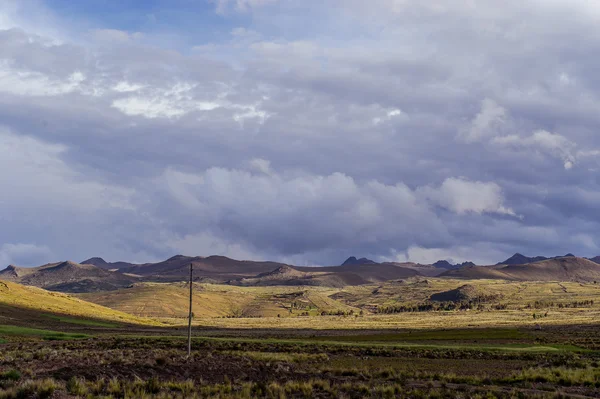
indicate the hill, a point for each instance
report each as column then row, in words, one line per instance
column 101, row 263
column 170, row 300
column 556, row 269
column 362, row 261
column 364, row 274
column 444, row 264
column 215, row 267
column 519, row 259
column 465, row 293
column 311, row 276
column 67, row 277
column 16, row 299
column 283, row 275
column 595, row 259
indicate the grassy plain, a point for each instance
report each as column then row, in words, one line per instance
column 290, row 342
column 223, row 306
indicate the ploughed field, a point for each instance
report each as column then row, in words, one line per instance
column 503, row 363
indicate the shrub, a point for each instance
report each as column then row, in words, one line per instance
column 77, row 387
column 11, row 375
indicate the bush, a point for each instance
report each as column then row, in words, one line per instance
column 77, row 387
column 11, row 375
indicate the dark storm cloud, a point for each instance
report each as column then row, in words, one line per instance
column 396, row 130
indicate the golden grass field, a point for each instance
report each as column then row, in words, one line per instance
column 286, row 307
column 19, row 296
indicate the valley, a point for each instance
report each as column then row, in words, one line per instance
column 264, row 329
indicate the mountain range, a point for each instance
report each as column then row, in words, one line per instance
column 95, row 274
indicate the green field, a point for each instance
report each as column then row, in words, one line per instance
column 14, row 331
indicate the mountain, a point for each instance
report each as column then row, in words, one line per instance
column 98, row 275
column 595, row 259
column 67, row 277
column 365, row 273
column 219, row 268
column 567, row 268
column 518, row 259
column 362, row 261
column 444, row 264
column 283, row 275
column 101, row 263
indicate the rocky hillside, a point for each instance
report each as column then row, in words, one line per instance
column 568, row 268
column 67, row 277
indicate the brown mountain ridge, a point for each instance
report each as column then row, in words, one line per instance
column 569, row 268
column 67, row 277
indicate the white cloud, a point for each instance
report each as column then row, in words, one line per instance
column 127, row 87
column 550, row 143
column 173, row 102
column 391, row 114
column 36, row 177
column 485, row 123
column 478, row 253
column 307, row 211
column 463, row 196
column 261, row 165
column 32, row 83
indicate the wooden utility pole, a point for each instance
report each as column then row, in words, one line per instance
column 191, row 314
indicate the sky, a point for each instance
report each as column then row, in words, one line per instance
column 299, row 131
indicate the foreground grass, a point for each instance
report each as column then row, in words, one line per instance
column 81, row 322
column 43, row 334
column 145, row 367
column 488, row 334
column 323, row 342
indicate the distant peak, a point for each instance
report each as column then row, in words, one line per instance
column 444, row 264
column 94, row 261
column 67, row 263
column 362, row 261
column 177, row 257
column 569, row 255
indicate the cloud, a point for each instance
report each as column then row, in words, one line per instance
column 552, row 144
column 462, row 196
column 485, row 123
column 302, row 131
column 290, row 213
column 28, row 83
column 114, row 36
column 480, row 254
column 23, row 254
column 47, row 181
column 222, row 6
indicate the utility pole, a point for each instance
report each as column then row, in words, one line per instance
column 191, row 314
